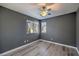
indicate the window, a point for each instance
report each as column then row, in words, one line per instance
column 43, row 27
column 32, row 26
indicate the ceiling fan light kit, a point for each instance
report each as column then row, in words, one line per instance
column 43, row 13
column 44, row 10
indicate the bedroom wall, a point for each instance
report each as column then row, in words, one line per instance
column 77, row 30
column 13, row 29
column 0, row 34
column 61, row 29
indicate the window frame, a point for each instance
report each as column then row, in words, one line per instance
column 33, row 25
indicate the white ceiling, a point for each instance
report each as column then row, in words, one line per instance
column 33, row 9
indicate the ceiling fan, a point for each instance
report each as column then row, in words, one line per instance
column 45, row 8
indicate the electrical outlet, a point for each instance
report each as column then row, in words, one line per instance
column 27, row 40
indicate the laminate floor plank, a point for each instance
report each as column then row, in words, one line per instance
column 45, row 49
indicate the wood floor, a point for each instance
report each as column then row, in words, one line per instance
column 45, row 49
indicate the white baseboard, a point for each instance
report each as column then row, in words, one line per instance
column 57, row 43
column 77, row 51
column 16, row 49
column 61, row 45
column 21, row 47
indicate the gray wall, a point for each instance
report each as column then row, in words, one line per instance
column 77, row 29
column 0, row 34
column 12, row 29
column 39, row 29
column 61, row 29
